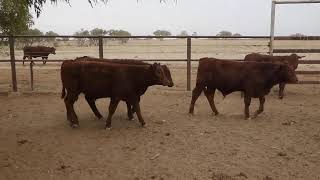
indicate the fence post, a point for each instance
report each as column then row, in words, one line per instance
column 31, row 74
column 13, row 64
column 100, row 47
column 273, row 11
column 188, row 64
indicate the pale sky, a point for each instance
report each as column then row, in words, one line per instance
column 206, row 17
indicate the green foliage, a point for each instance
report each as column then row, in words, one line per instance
column 161, row 33
column 194, row 34
column 236, row 34
column 30, row 41
column 51, row 33
column 37, row 5
column 224, row 33
column 113, row 32
column 183, row 33
column 96, row 32
column 14, row 17
column 82, row 41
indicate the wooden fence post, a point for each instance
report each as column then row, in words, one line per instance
column 100, row 47
column 273, row 12
column 13, row 65
column 31, row 74
column 188, row 64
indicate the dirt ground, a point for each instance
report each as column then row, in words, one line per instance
column 36, row 142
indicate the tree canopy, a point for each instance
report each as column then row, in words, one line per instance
column 37, row 5
column 224, row 33
column 162, row 33
column 183, row 33
column 14, row 17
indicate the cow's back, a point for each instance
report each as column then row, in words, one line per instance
column 291, row 60
column 36, row 51
column 228, row 76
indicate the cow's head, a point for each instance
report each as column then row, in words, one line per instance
column 159, row 75
column 53, row 50
column 287, row 74
column 168, row 75
column 294, row 60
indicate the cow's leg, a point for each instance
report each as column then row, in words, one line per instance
column 261, row 106
column 247, row 101
column 138, row 111
column 71, row 114
column 112, row 108
column 24, row 57
column 130, row 110
column 281, row 89
column 209, row 93
column 195, row 95
column 68, row 110
column 44, row 59
column 93, row 106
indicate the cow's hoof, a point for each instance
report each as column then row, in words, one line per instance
column 143, row 124
column 131, row 119
column 108, row 128
column 74, row 125
column 280, row 97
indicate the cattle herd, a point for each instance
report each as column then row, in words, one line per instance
column 128, row 80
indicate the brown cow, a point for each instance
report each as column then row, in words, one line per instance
column 130, row 110
column 100, row 79
column 38, row 51
column 252, row 78
column 292, row 61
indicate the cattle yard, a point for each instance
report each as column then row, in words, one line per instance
column 282, row 143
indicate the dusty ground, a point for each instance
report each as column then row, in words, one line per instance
column 37, row 143
column 283, row 143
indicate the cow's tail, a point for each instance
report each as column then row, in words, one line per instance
column 63, row 92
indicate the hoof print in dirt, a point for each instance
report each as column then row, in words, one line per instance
column 23, row 141
column 63, row 167
column 268, row 178
column 282, row 154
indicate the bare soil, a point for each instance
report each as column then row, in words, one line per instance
column 36, row 142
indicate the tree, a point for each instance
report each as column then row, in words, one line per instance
column 161, row 33
column 14, row 17
column 183, row 33
column 113, row 32
column 96, row 32
column 194, row 34
column 82, row 41
column 30, row 41
column 236, row 34
column 51, row 33
column 224, row 33
column 37, row 5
